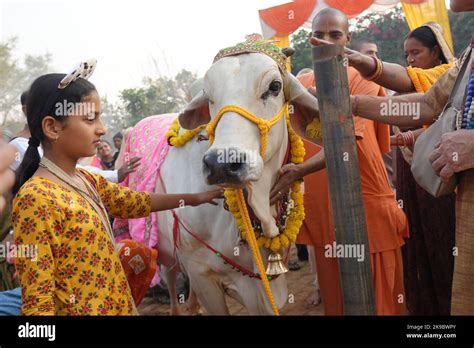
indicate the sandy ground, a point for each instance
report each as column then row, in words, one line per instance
column 300, row 285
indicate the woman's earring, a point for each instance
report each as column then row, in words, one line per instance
column 56, row 139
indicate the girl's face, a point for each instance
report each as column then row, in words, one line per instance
column 420, row 56
column 81, row 133
column 104, row 150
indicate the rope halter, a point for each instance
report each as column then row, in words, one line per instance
column 262, row 124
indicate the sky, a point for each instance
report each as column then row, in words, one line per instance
column 130, row 39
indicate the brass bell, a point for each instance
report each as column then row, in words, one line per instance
column 275, row 265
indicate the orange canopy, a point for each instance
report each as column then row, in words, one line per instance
column 286, row 18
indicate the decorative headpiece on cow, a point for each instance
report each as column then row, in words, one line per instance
column 255, row 43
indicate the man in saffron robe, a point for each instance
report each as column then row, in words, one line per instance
column 386, row 222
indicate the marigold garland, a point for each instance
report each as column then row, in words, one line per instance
column 175, row 139
column 295, row 217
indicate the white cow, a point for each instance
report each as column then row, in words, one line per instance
column 254, row 82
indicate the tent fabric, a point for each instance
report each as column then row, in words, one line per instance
column 286, row 18
column 351, row 8
column 418, row 14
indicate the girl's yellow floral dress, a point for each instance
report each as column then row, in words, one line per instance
column 76, row 271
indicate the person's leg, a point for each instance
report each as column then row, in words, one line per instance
column 10, row 302
column 315, row 298
column 330, row 283
column 387, row 271
column 302, row 252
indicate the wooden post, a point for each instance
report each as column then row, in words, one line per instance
column 342, row 167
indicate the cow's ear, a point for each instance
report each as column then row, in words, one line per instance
column 303, row 108
column 196, row 113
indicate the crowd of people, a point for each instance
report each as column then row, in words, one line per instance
column 59, row 175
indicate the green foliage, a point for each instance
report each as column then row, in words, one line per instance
column 114, row 117
column 16, row 76
column 462, row 25
column 158, row 96
column 302, row 57
column 388, row 31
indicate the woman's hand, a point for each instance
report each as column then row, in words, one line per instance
column 395, row 141
column 288, row 175
column 7, row 176
column 128, row 167
column 207, row 197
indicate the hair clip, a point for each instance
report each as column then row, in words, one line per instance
column 84, row 70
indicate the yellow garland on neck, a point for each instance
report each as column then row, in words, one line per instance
column 296, row 216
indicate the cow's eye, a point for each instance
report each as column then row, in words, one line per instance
column 275, row 87
column 273, row 90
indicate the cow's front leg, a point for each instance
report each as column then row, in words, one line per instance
column 170, row 275
column 211, row 295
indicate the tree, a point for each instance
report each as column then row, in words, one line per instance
column 158, row 96
column 16, row 76
column 461, row 29
column 303, row 55
column 388, row 31
column 114, row 117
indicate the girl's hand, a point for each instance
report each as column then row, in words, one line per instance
column 207, row 197
column 7, row 176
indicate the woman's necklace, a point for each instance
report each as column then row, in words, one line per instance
column 91, row 196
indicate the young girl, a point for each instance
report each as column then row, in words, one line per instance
column 62, row 213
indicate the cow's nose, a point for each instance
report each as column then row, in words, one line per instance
column 221, row 167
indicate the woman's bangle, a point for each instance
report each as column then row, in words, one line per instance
column 378, row 70
column 408, row 138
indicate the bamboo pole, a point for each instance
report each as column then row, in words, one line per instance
column 344, row 179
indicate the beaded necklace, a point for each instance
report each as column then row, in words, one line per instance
column 467, row 121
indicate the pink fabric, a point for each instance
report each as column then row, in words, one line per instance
column 148, row 141
column 96, row 162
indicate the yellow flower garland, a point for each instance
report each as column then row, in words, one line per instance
column 296, row 216
column 175, row 139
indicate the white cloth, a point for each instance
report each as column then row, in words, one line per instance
column 21, row 145
column 109, row 175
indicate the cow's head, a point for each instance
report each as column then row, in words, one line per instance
column 256, row 84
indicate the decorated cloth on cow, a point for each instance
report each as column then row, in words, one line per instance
column 147, row 140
